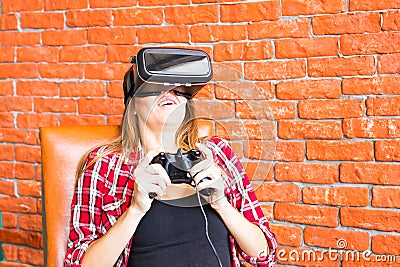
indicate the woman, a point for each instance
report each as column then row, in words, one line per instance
column 114, row 222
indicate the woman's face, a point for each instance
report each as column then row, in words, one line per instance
column 164, row 112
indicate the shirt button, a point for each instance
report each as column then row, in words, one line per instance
column 69, row 256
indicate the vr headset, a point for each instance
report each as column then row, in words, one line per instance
column 162, row 69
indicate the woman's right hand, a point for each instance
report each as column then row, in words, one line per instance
column 148, row 178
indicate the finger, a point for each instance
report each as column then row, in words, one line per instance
column 149, row 157
column 159, row 170
column 152, row 188
column 206, row 163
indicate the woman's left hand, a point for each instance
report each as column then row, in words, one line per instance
column 208, row 169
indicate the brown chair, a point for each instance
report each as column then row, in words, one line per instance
column 63, row 148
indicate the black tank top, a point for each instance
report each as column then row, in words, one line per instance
column 172, row 235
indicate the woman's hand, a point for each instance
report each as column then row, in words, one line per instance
column 208, row 169
column 149, row 178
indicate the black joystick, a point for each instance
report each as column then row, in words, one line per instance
column 178, row 165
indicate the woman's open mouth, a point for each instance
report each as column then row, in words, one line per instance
column 167, row 101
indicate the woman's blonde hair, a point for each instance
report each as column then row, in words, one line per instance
column 127, row 141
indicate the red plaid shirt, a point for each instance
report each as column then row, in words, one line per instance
column 104, row 192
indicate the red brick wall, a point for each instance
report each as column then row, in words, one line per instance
column 329, row 70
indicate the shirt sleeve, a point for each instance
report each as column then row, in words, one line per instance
column 85, row 212
column 243, row 198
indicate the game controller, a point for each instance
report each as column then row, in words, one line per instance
column 178, row 165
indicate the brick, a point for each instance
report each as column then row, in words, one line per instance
column 77, row 89
column 374, row 43
column 387, row 150
column 306, row 47
column 10, row 220
column 100, row 106
column 336, row 196
column 370, row 173
column 74, row 120
column 30, row 222
column 386, row 244
column 191, row 14
column 162, row 2
column 23, row 171
column 371, row 128
column 61, row 71
column 8, row 103
column 388, row 85
column 245, row 12
column 28, row 153
column 8, row 22
column 245, row 129
column 17, row 204
column 121, row 53
column 275, row 70
column 329, row 238
column 391, row 21
column 389, row 64
column 42, row 20
column 138, row 16
column 112, row 3
column 6, row 120
column 271, row 150
column 105, row 71
column 36, row 120
column 12, row 38
column 6, row 88
column 386, row 197
column 88, row 18
column 206, row 92
column 12, row 70
column 306, row 214
column 284, row 28
column 10, row 252
column 114, row 120
column 293, row 129
column 37, row 54
column 215, row 33
column 30, row 239
column 243, row 51
column 258, row 170
column 340, row 150
column 306, row 89
column 111, row 35
column 30, row 188
column 307, row 173
column 24, row 136
column 311, row 7
column 356, row 5
column 163, row 34
column 334, row 67
column 38, row 173
column 7, row 188
column 39, row 206
column 7, row 54
column 277, row 192
column 267, row 210
column 64, row 37
column 37, row 88
column 12, row 6
column 31, row 256
column 228, row 71
column 244, row 90
column 258, row 109
column 65, row 4
column 83, row 54
column 54, row 105
column 7, row 152
column 347, row 23
column 326, row 109
column 114, row 89
column 383, row 220
column 287, row 235
column 214, row 109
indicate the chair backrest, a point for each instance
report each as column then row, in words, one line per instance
column 63, row 148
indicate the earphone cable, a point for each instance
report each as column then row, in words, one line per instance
column 206, row 225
